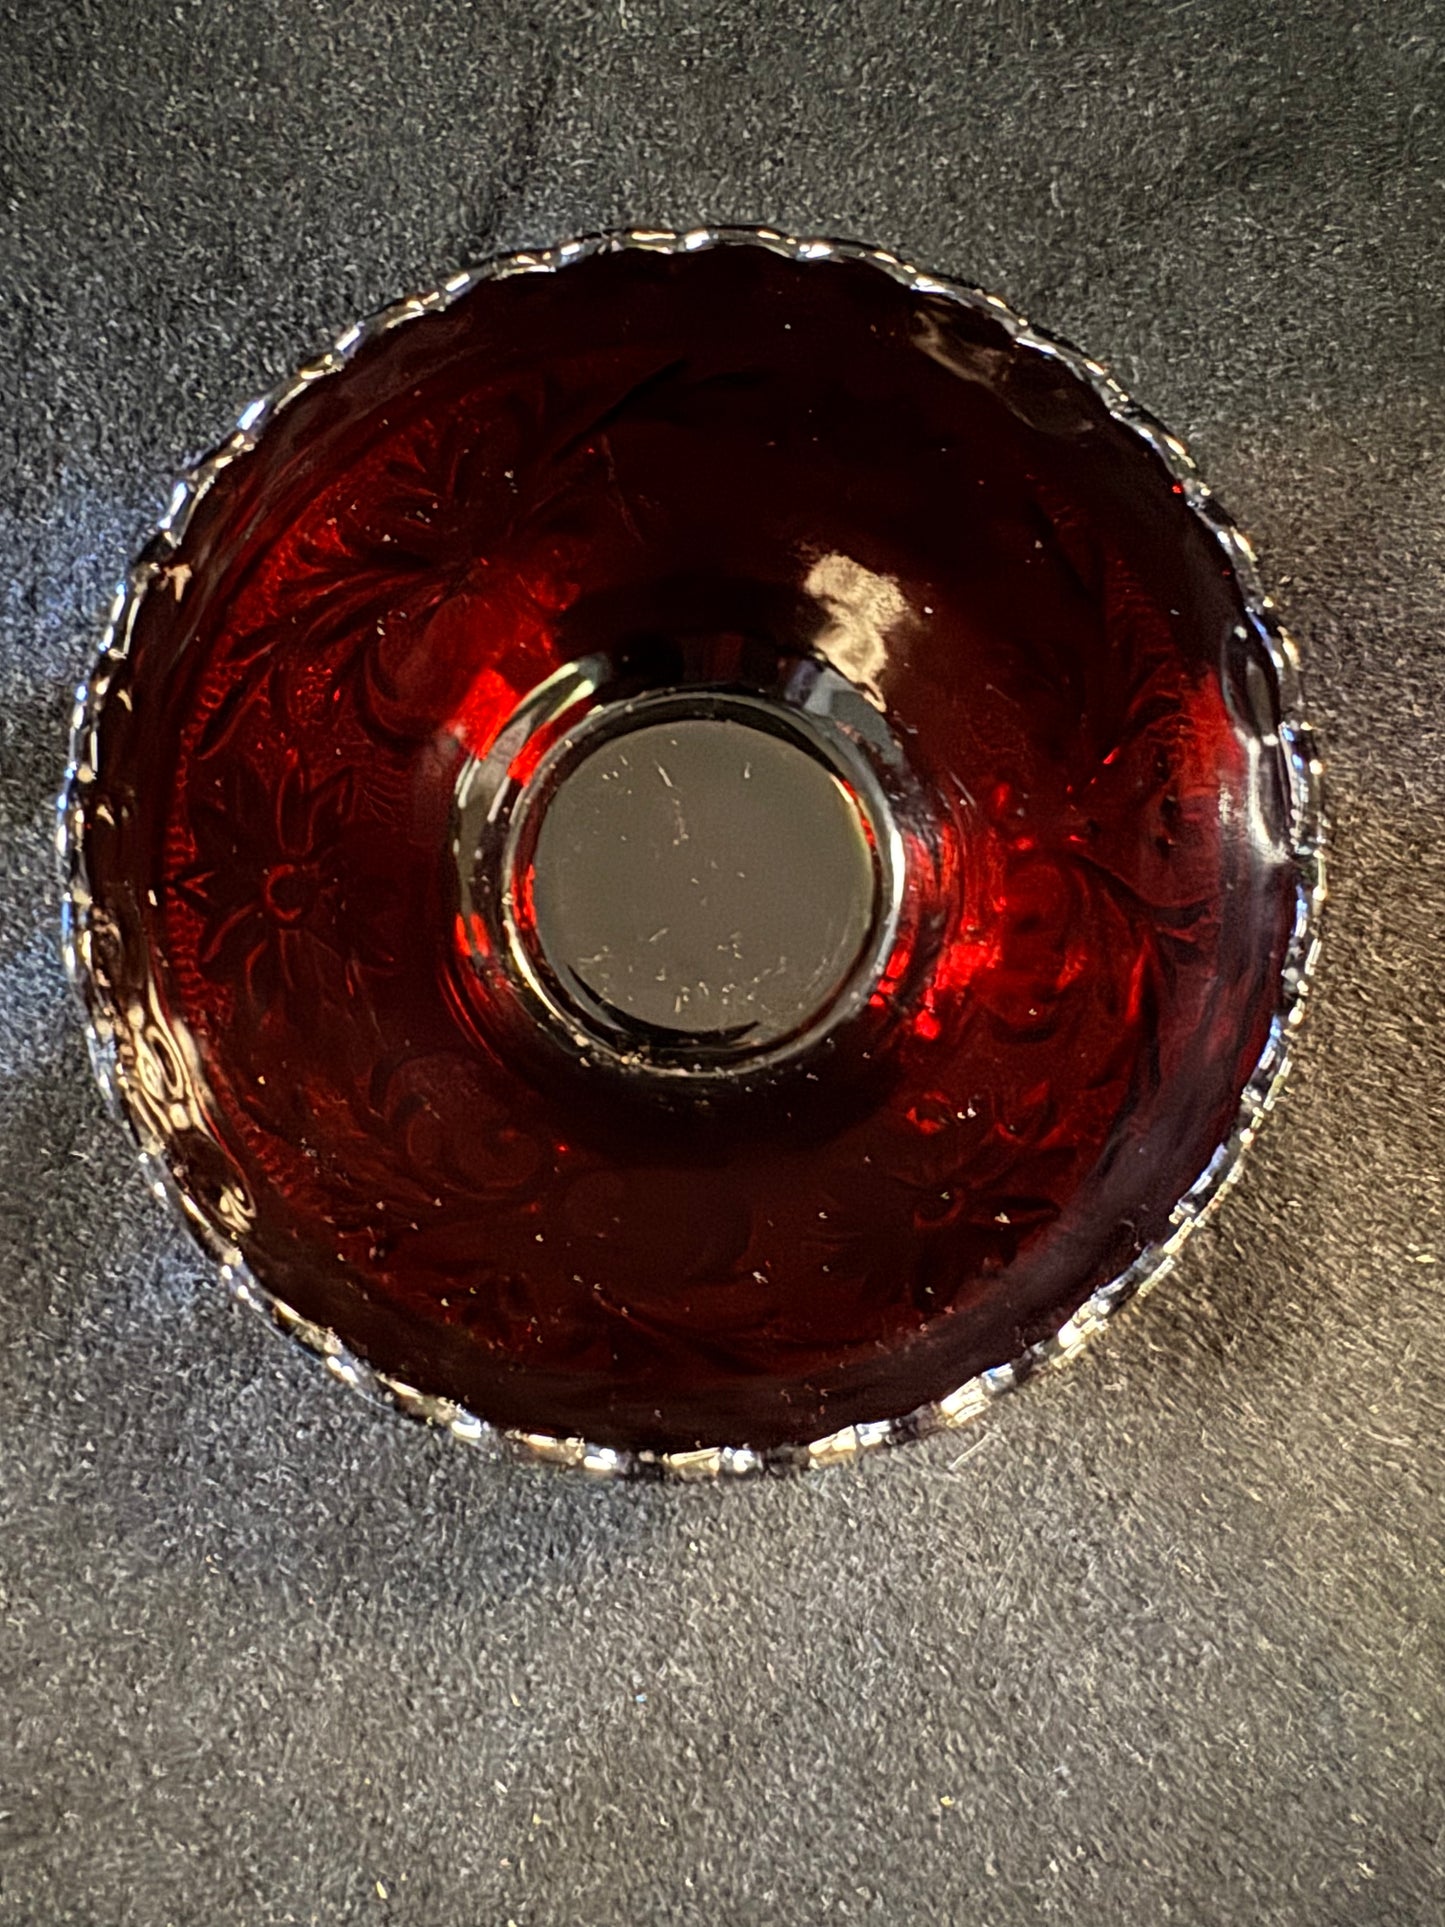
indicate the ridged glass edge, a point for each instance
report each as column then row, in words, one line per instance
column 1307, row 850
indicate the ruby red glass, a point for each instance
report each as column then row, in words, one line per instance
column 694, row 849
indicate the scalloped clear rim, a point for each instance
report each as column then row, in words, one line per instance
column 969, row 1400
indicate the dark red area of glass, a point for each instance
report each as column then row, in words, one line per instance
column 804, row 458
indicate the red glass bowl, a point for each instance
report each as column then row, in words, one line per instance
column 695, row 850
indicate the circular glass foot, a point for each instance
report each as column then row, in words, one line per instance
column 693, row 883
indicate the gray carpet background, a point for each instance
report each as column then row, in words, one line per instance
column 1160, row 1640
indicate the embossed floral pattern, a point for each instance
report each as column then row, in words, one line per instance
column 275, row 900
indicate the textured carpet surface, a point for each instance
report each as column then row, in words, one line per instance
column 1161, row 1640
